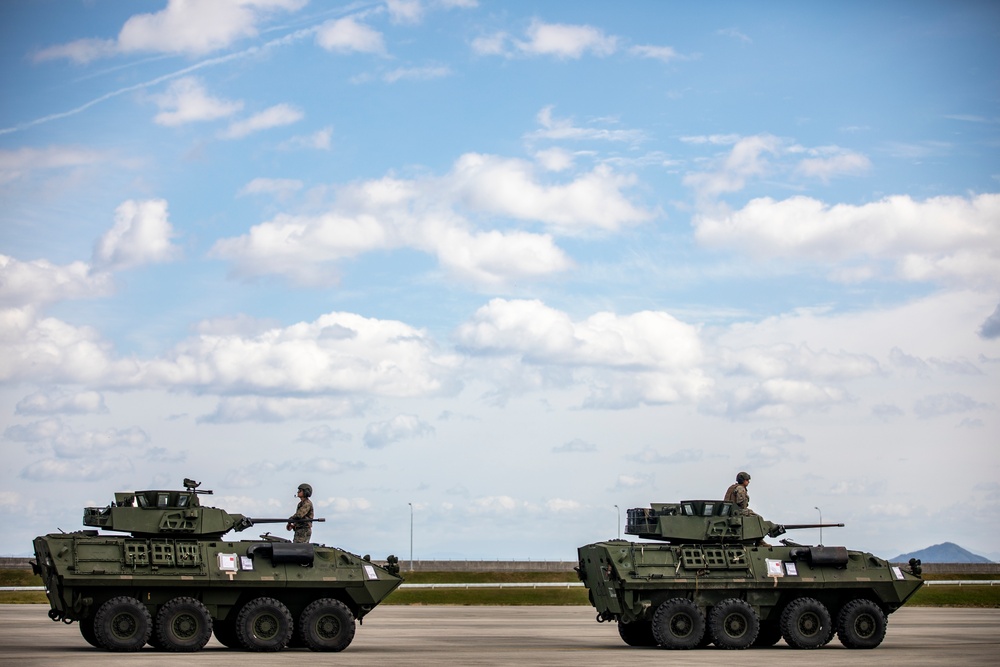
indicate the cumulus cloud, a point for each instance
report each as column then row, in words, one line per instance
column 40, row 282
column 565, row 41
column 181, row 27
column 187, row 101
column 780, row 398
column 562, row 41
column 416, row 73
column 141, row 235
column 435, row 215
column 277, row 116
column 951, row 239
column 324, row 436
column 831, row 161
column 405, row 11
column 796, row 361
column 54, row 401
column 644, row 357
column 400, row 427
column 348, row 35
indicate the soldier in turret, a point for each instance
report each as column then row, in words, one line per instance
column 737, row 494
column 301, row 522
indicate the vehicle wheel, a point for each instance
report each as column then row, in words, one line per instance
column 183, row 624
column 122, row 624
column 637, row 633
column 87, row 630
column 805, row 623
column 861, row 624
column 678, row 624
column 733, row 624
column 768, row 635
column 327, row 625
column 264, row 624
column 225, row 632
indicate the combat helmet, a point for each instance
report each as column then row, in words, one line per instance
column 308, row 490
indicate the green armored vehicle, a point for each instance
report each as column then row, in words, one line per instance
column 176, row 579
column 712, row 578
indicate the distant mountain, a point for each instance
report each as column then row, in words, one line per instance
column 948, row 552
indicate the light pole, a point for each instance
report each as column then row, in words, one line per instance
column 411, row 536
column 821, row 525
column 619, row 522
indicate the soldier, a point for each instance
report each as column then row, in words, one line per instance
column 737, row 494
column 301, row 521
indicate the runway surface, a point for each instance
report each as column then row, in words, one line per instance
column 435, row 635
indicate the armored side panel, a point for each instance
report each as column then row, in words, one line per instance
column 711, row 578
column 174, row 581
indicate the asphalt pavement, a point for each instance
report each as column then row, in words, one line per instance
column 556, row 636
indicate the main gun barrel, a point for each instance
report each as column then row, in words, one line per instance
column 797, row 526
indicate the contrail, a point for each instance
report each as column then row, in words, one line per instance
column 295, row 36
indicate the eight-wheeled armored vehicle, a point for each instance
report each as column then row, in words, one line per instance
column 711, row 577
column 177, row 578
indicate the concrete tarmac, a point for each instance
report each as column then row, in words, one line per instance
column 557, row 636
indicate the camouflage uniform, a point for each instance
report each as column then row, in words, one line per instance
column 737, row 494
column 303, row 529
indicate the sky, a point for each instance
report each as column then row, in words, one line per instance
column 500, row 271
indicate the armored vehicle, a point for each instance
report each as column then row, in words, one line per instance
column 176, row 579
column 711, row 577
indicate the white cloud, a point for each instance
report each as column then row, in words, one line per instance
column 562, row 505
column 990, row 328
column 560, row 129
column 592, row 201
column 576, row 446
column 277, row 116
column 16, row 165
column 665, row 53
column 831, row 161
column 405, row 11
column 747, row 159
column 429, row 215
column 565, row 41
column 952, row 239
column 400, row 427
column 40, row 282
column 319, row 140
column 645, row 357
column 187, row 101
column 280, row 187
column 347, row 35
column 416, row 74
column 191, row 28
column 494, row 44
column 53, row 402
column 141, row 235
column 796, row 361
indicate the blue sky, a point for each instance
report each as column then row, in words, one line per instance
column 513, row 264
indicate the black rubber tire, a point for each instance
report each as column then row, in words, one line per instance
column 327, row 625
column 225, row 632
column 678, row 624
column 87, row 631
column 122, row 624
column 861, row 624
column 637, row 633
column 805, row 623
column 768, row 635
column 264, row 624
column 183, row 625
column 733, row 624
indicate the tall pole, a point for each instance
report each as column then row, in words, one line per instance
column 619, row 522
column 411, row 536
column 821, row 527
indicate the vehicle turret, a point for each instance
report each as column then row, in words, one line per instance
column 166, row 512
column 706, row 522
